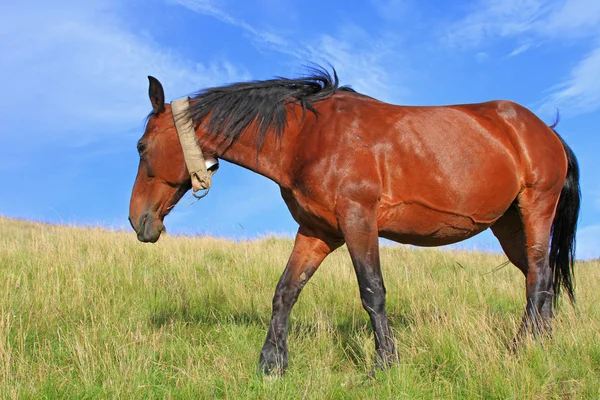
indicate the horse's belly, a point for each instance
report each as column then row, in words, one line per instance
column 421, row 225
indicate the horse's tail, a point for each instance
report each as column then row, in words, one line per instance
column 562, row 247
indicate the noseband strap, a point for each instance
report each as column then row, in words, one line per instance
column 192, row 153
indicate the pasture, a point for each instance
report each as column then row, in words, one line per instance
column 90, row 313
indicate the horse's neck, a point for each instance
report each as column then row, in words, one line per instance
column 268, row 161
column 275, row 157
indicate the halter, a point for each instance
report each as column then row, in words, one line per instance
column 201, row 170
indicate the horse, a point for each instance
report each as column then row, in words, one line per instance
column 352, row 169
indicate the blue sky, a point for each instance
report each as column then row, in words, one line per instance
column 74, row 87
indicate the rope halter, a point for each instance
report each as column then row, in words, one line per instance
column 201, row 170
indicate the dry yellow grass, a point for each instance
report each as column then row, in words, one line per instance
column 94, row 313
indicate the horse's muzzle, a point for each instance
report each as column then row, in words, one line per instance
column 148, row 228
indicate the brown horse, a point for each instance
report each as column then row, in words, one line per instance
column 352, row 169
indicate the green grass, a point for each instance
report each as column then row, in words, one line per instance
column 88, row 313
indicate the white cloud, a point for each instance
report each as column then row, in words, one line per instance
column 580, row 93
column 525, row 18
column 588, row 245
column 358, row 64
column 261, row 37
column 521, row 49
column 359, row 58
column 393, row 10
column 572, row 18
column 83, row 72
column 529, row 20
column 482, row 57
column 495, row 18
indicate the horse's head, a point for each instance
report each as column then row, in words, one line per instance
column 162, row 177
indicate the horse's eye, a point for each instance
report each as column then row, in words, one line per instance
column 141, row 147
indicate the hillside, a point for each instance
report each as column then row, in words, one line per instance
column 94, row 313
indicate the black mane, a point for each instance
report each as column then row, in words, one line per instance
column 227, row 110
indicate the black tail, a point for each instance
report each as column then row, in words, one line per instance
column 562, row 248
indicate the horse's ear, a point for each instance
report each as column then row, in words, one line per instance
column 157, row 95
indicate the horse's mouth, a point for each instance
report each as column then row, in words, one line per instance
column 149, row 229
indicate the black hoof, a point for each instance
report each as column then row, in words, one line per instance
column 272, row 364
column 383, row 361
column 516, row 345
column 270, row 369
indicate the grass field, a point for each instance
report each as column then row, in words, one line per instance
column 88, row 313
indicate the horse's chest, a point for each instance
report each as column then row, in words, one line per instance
column 308, row 212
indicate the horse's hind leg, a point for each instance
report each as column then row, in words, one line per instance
column 524, row 234
column 509, row 231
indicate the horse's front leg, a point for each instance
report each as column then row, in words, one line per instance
column 308, row 253
column 359, row 227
